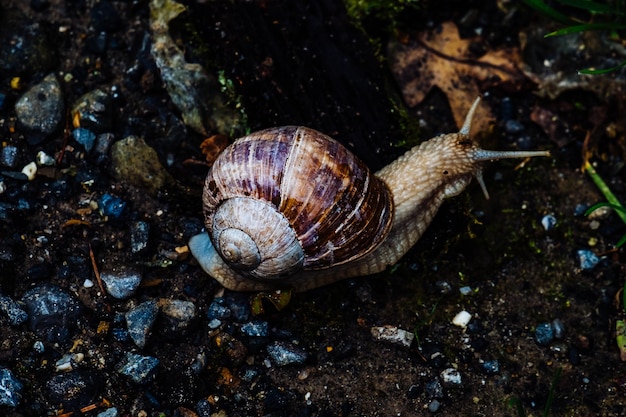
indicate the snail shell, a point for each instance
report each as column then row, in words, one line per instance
column 291, row 198
column 291, row 207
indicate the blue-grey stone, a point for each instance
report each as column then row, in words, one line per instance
column 110, row 412
column 139, row 321
column 10, row 388
column 13, row 310
column 587, row 259
column 218, row 309
column 284, row 353
column 140, row 369
column 41, row 108
column 559, row 328
column 111, row 206
column 434, row 406
column 8, row 157
column 239, row 305
column 491, row 367
column 255, row 328
column 139, row 236
column 52, row 311
column 121, row 284
column 544, row 334
column 85, row 137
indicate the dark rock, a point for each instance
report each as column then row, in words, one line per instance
column 53, row 312
column 73, row 389
column 10, row 388
column 544, row 334
column 12, row 310
column 111, row 206
column 139, row 322
column 122, row 283
column 85, row 137
column 139, row 237
column 177, row 316
column 41, row 108
column 9, row 156
column 284, row 353
column 255, row 328
column 140, row 369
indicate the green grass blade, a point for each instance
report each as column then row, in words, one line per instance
column 591, row 71
column 604, row 189
column 548, row 11
column 587, row 26
column 591, row 6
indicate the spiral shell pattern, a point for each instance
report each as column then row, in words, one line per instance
column 290, row 197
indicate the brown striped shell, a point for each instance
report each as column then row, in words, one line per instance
column 291, row 198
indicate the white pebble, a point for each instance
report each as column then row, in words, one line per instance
column 451, row 377
column 462, row 319
column 44, row 159
column 30, row 171
column 88, row 283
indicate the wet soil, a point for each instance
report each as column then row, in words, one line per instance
column 299, row 63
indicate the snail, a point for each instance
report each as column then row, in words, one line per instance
column 289, row 207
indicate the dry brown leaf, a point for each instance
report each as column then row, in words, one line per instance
column 441, row 58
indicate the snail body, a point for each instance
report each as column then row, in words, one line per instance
column 290, row 207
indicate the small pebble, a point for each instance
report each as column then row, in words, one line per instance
column 434, row 406
column 462, row 319
column 451, row 377
column 111, row 206
column 88, row 283
column 587, row 259
column 465, row 290
column 9, row 155
column 139, row 236
column 544, row 334
column 85, row 137
column 284, row 353
column 140, row 369
column 177, row 316
column 256, row 328
column 135, row 162
column 39, row 347
column 139, row 322
column 43, row 159
column 490, row 367
column 121, row 284
column 12, row 310
column 53, row 312
column 580, row 210
column 111, row 412
column 559, row 328
column 218, row 310
column 41, row 108
column 10, row 388
column 30, row 170
column 392, row 334
column 548, row 222
column 74, row 389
